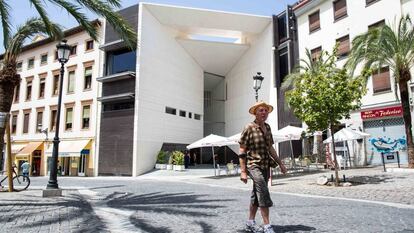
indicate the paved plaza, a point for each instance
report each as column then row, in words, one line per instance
column 196, row 201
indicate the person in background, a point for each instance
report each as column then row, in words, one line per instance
column 256, row 147
column 25, row 168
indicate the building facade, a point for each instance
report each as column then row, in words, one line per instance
column 34, row 109
column 324, row 23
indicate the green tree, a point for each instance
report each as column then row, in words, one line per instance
column 322, row 97
column 392, row 47
column 9, row 77
column 104, row 8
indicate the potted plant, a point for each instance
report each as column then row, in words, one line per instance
column 178, row 161
column 161, row 160
column 170, row 161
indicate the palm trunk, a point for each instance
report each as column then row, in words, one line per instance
column 405, row 76
column 8, row 80
column 334, row 154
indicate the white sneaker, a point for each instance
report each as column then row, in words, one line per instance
column 253, row 228
column 268, row 229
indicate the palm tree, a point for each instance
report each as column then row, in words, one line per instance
column 393, row 47
column 9, row 77
column 104, row 8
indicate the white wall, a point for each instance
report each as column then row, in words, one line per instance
column 166, row 76
column 240, row 93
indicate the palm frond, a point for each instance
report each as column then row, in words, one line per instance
column 30, row 28
column 105, row 9
column 50, row 26
column 5, row 21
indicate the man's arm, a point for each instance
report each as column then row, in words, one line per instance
column 278, row 161
column 243, row 167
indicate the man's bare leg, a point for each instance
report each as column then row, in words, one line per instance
column 253, row 211
column 265, row 215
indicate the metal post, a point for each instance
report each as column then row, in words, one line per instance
column 257, row 96
column 383, row 161
column 214, row 160
column 53, row 184
column 398, row 159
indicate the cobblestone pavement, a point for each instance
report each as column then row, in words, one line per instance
column 183, row 204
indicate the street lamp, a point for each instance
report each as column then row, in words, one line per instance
column 63, row 51
column 257, row 83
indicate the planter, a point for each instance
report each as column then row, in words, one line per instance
column 169, row 166
column 179, row 167
column 160, row 166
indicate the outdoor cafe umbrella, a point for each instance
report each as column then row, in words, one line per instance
column 289, row 133
column 347, row 134
column 211, row 140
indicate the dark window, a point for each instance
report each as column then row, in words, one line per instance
column 53, row 115
column 283, row 64
column 56, row 55
column 88, row 78
column 182, row 113
column 26, row 122
column 19, row 66
column 69, row 118
column 42, row 88
column 17, row 93
column 118, row 106
column 14, row 124
column 56, row 79
column 86, row 111
column 29, row 90
column 120, row 61
column 339, row 9
column 89, row 45
column 369, row 2
column 281, row 25
column 73, row 50
column 172, row 111
column 39, row 122
column 381, row 80
column 197, row 116
column 30, row 63
column 43, row 59
column 343, row 46
column 314, row 22
column 316, row 53
column 377, row 24
column 190, row 115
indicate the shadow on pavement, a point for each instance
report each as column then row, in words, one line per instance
column 374, row 179
column 163, row 206
column 71, row 214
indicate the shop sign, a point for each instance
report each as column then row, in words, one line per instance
column 384, row 112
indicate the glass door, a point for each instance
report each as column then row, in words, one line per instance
column 82, row 164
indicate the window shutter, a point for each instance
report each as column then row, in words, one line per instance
column 314, row 22
column 340, row 9
column 381, row 81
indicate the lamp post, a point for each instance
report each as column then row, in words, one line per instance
column 63, row 51
column 257, row 83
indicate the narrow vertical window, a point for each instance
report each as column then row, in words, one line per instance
column 53, row 115
column 88, row 78
column 42, row 84
column 69, row 118
column 14, row 124
column 314, row 22
column 86, row 116
column 339, row 9
column 71, row 82
column 381, row 80
column 43, row 59
column 56, row 80
column 26, row 122
column 30, row 63
column 89, row 45
column 39, row 121
column 343, row 46
column 29, row 90
column 16, row 93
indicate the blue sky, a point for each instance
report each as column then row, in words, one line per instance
column 22, row 10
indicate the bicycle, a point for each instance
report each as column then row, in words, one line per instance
column 20, row 182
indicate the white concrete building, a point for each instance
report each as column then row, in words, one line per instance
column 191, row 75
column 33, row 113
column 323, row 23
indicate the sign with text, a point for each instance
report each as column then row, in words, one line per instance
column 383, row 112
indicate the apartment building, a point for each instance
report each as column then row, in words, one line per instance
column 34, row 109
column 322, row 24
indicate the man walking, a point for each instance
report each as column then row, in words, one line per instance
column 25, row 169
column 256, row 147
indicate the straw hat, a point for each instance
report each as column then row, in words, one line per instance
column 252, row 109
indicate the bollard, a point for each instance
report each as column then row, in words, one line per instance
column 398, row 159
column 383, row 161
column 332, row 178
column 344, row 178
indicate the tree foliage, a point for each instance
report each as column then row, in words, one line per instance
column 322, row 97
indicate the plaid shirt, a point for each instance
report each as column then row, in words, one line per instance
column 255, row 140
